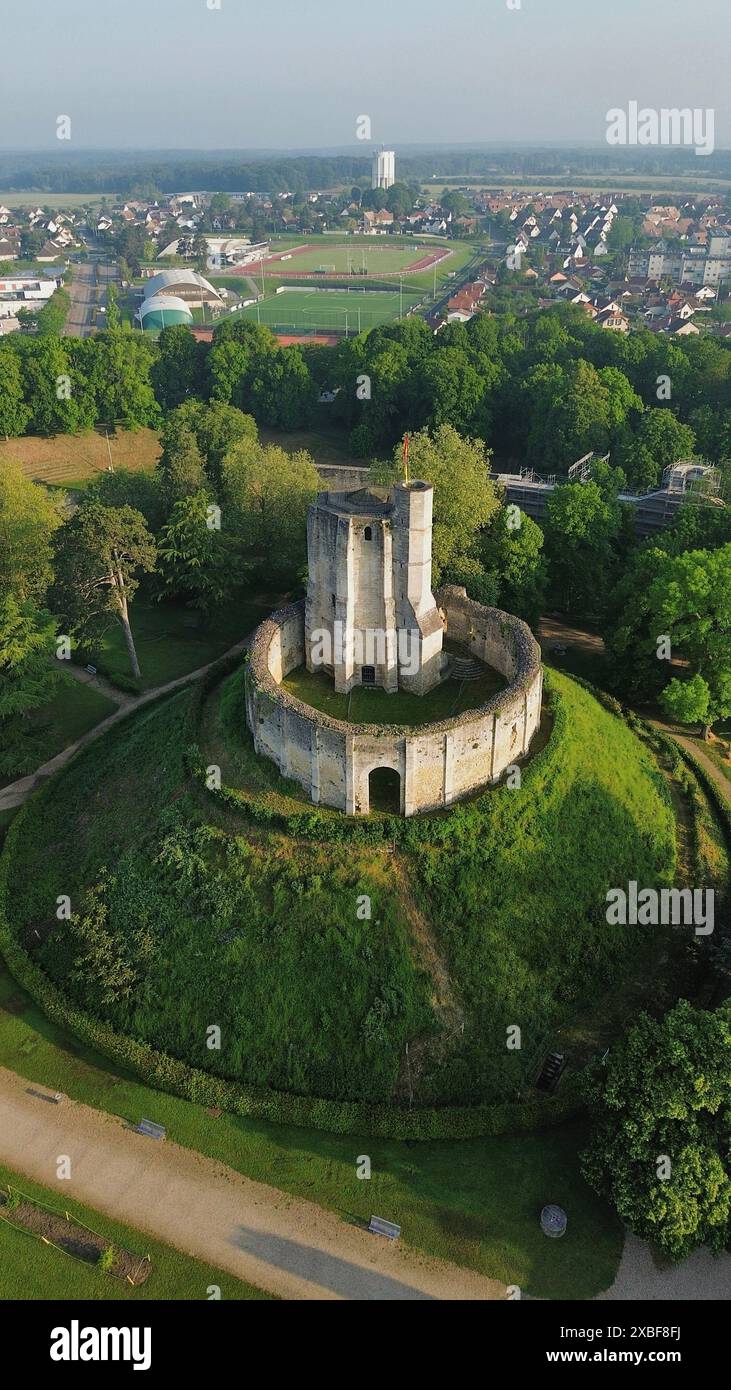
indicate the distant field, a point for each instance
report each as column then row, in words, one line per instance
column 625, row 183
column 353, row 310
column 361, row 259
column 70, row 459
column 42, row 198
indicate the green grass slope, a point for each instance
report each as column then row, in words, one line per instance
column 188, row 915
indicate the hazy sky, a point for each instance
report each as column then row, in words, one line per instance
column 296, row 73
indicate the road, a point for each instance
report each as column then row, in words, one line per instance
column 88, row 292
column 283, row 1244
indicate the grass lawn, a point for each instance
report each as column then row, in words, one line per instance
column 364, row 706
column 238, row 284
column 31, row 1270
column 475, row 1202
column 75, row 709
column 70, row 460
column 301, row 310
column 326, row 445
column 171, row 641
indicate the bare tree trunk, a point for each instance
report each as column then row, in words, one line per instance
column 129, row 639
column 124, row 620
column 706, row 732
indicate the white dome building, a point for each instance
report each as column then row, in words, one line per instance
column 163, row 311
column 187, row 285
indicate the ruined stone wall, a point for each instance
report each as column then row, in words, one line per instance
column 437, row 763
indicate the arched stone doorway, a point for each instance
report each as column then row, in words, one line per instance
column 384, row 790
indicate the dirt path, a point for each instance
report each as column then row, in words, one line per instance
column 553, row 630
column 289, row 1247
column 707, row 763
column 100, row 684
column 18, row 792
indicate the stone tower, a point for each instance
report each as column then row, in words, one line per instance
column 370, row 616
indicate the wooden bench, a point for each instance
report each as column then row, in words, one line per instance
column 152, row 1130
column 378, row 1227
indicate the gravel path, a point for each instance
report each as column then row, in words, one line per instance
column 289, row 1247
column 640, row 1278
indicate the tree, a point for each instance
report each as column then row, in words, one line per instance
column 120, row 366
column 199, row 252
column 100, row 553
column 14, row 413
column 659, row 1149
column 216, row 427
column 28, row 678
column 176, row 374
column 114, row 317
column 267, row 493
column 451, row 391
column 685, row 599
column 195, row 559
column 513, row 552
column 464, row 497
column 456, row 203
column 579, row 529
column 659, row 436
column 130, row 487
column 28, row 519
column 692, row 605
column 400, row 199
column 180, row 466
column 49, row 387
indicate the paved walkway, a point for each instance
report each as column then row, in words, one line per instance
column 289, row 1247
column 17, row 792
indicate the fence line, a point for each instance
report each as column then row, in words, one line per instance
column 71, row 1220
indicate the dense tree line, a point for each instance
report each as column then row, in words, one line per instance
column 151, row 173
column 544, row 390
column 540, row 390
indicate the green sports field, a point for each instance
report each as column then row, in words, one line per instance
column 358, row 259
column 333, row 311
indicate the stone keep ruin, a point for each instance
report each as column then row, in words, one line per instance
column 370, row 618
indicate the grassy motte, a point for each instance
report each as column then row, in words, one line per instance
column 185, row 914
